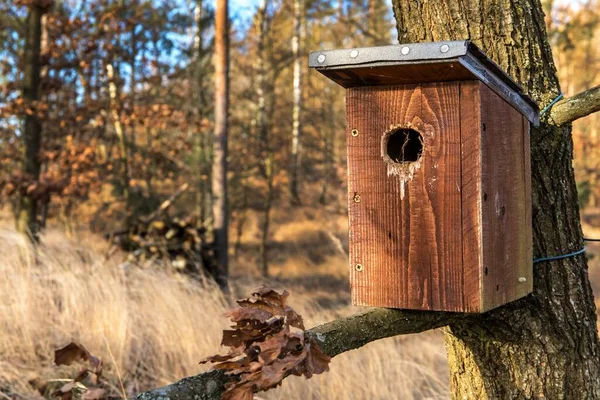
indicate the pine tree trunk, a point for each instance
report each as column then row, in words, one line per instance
column 546, row 345
column 297, row 109
column 219, row 165
column 32, row 129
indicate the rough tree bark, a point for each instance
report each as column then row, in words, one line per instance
column 545, row 345
column 32, row 127
column 220, row 212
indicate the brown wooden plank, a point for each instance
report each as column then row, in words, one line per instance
column 470, row 126
column 437, row 224
column 411, row 248
column 379, row 240
column 506, row 231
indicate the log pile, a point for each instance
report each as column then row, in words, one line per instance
column 180, row 240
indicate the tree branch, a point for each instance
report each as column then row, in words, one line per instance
column 575, row 107
column 334, row 338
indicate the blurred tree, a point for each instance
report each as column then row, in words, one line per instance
column 262, row 23
column 220, row 212
column 32, row 127
column 297, row 109
column 126, row 106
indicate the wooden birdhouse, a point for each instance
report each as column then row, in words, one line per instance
column 439, row 186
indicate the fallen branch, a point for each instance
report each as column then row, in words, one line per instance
column 166, row 204
column 575, row 107
column 334, row 338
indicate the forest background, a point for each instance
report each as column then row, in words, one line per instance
column 126, row 111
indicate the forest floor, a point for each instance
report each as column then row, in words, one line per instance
column 151, row 326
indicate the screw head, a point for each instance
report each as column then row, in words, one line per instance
column 354, row 132
column 354, row 53
column 444, row 48
column 356, row 198
column 321, row 58
column 359, row 267
column 405, row 50
column 522, row 279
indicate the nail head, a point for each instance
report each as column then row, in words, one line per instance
column 444, row 48
column 405, row 50
column 321, row 58
column 354, row 53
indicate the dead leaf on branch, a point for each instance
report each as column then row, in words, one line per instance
column 267, row 343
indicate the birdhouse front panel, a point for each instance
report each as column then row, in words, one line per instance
column 437, row 197
column 405, row 226
column 439, row 186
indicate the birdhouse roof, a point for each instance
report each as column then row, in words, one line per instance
column 421, row 63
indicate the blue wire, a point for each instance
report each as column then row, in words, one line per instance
column 537, row 260
column 549, row 106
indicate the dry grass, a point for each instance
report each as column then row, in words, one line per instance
column 159, row 325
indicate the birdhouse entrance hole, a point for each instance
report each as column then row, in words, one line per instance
column 401, row 150
column 404, row 145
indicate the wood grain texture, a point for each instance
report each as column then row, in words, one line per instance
column 470, row 125
column 461, row 237
column 506, row 208
column 411, row 248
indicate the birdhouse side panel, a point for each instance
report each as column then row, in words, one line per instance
column 471, row 193
column 405, row 233
column 506, row 202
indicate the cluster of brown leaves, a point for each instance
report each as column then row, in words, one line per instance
column 264, row 349
column 24, row 184
column 20, row 108
column 73, row 173
column 88, row 380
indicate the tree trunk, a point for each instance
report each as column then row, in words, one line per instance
column 219, row 165
column 546, row 345
column 198, row 110
column 115, row 110
column 297, row 109
column 262, row 125
column 328, row 135
column 32, row 129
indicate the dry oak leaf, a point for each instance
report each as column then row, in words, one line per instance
column 263, row 347
column 75, row 352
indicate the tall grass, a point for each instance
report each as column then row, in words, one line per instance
column 158, row 325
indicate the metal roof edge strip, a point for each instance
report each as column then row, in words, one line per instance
column 392, row 53
column 523, row 103
column 463, row 51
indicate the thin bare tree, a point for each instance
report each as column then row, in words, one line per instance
column 297, row 109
